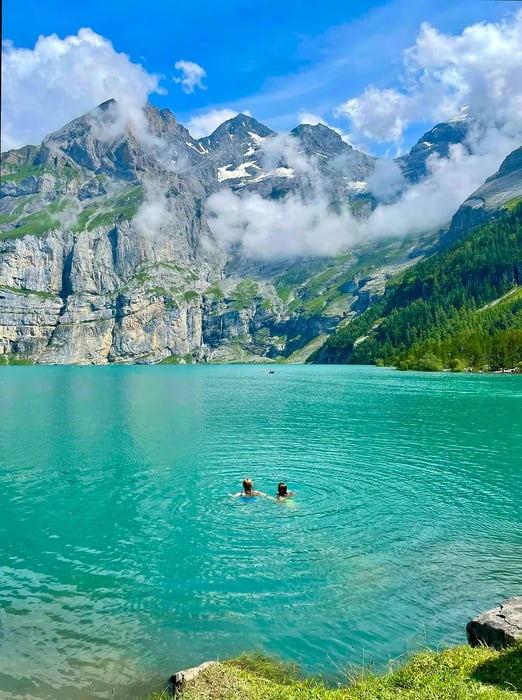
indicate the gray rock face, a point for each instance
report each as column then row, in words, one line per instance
column 499, row 627
column 27, row 321
column 499, row 190
column 106, row 254
column 238, row 155
column 511, row 164
column 105, row 297
column 235, row 133
column 333, row 155
column 436, row 141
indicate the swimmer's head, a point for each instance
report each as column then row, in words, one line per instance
column 282, row 488
column 248, row 485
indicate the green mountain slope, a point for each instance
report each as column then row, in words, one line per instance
column 440, row 313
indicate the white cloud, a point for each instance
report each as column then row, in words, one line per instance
column 269, row 229
column 153, row 215
column 478, row 73
column 204, row 124
column 283, row 150
column 60, row 79
column 281, row 228
column 309, row 118
column 432, row 202
column 481, row 68
column 378, row 115
column 191, row 76
column 387, row 181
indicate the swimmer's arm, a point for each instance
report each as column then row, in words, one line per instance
column 235, row 495
column 258, row 493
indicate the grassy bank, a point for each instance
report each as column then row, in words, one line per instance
column 460, row 673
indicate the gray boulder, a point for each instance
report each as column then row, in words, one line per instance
column 499, row 627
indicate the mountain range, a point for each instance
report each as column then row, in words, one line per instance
column 127, row 240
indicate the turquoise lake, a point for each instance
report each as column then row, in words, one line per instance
column 123, row 560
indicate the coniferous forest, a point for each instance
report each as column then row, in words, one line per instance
column 459, row 309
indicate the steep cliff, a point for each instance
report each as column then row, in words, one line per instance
column 106, row 253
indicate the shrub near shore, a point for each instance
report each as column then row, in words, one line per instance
column 460, row 673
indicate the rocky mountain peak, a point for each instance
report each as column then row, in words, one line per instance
column 177, row 145
column 107, row 105
column 511, row 164
column 160, row 120
column 98, row 141
column 239, row 129
column 435, row 141
column 320, row 139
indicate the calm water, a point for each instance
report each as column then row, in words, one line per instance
column 122, row 559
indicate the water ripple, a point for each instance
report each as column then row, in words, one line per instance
column 123, row 558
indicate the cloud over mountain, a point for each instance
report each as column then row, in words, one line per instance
column 305, row 222
column 476, row 75
column 204, row 124
column 480, row 68
column 59, row 79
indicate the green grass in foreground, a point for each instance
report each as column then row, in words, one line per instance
column 461, row 673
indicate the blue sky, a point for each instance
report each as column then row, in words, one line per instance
column 275, row 59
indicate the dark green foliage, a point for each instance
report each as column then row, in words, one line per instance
column 429, row 362
column 439, row 308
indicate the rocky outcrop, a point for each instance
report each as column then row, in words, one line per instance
column 106, row 253
column 491, row 198
column 436, row 142
column 499, row 627
column 101, row 296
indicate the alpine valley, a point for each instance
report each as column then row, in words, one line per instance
column 120, row 243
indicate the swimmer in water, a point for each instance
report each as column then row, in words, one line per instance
column 248, row 490
column 283, row 492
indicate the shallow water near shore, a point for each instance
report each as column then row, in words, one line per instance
column 122, row 558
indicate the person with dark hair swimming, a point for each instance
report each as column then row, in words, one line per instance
column 283, row 492
column 248, row 491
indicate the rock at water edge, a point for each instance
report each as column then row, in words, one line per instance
column 499, row 627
